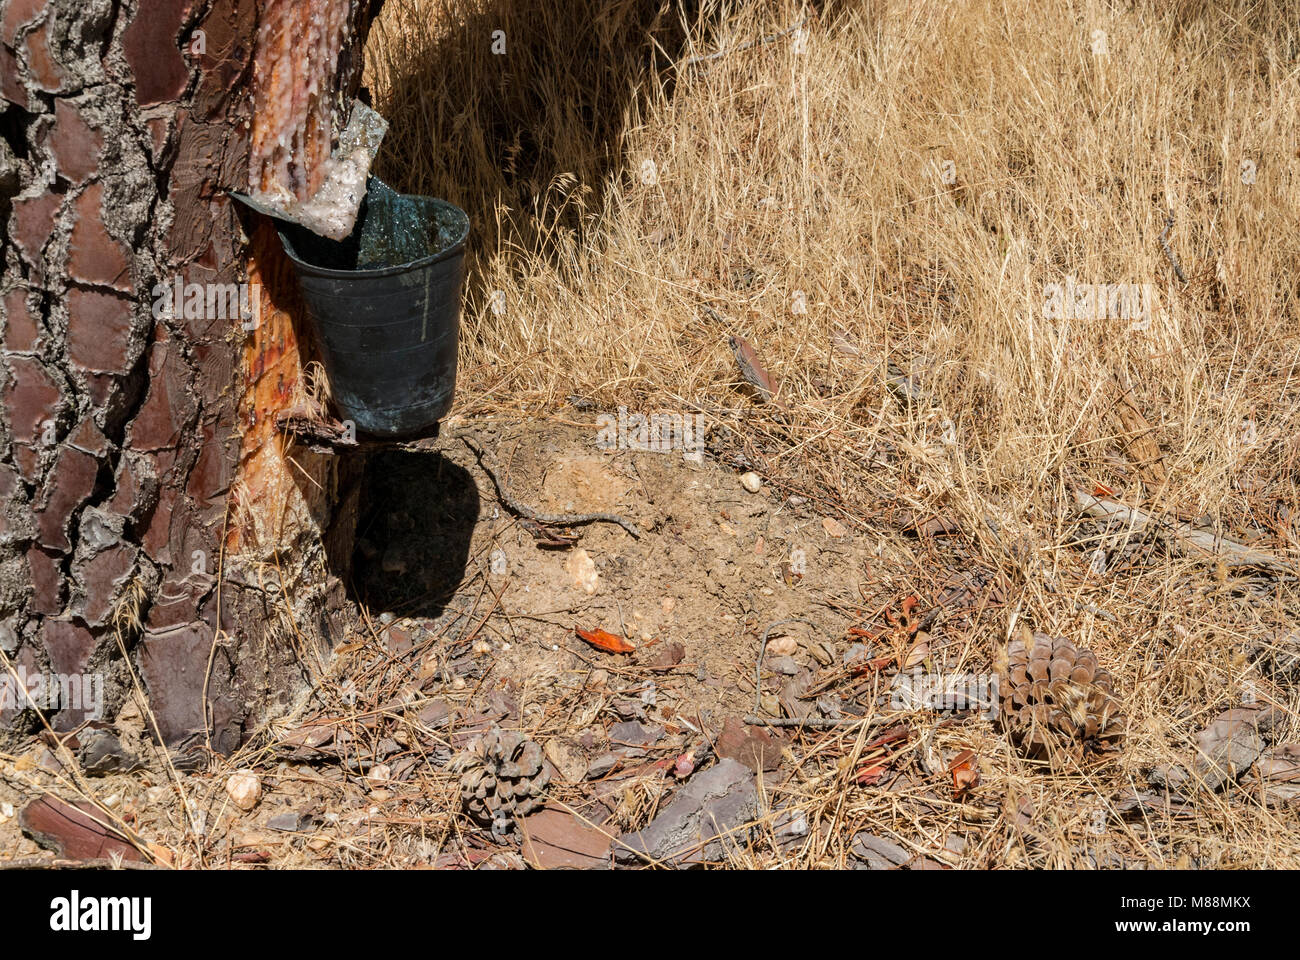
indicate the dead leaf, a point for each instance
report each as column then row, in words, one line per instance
column 920, row 650
column 603, row 640
column 751, row 368
column 965, row 774
column 870, row 776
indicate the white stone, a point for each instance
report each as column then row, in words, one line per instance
column 244, row 789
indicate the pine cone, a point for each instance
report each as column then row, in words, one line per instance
column 503, row 777
column 1055, row 696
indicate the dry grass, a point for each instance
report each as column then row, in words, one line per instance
column 785, row 177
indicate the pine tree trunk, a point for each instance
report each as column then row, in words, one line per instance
column 148, row 504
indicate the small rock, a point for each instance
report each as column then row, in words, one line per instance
column 878, row 853
column 784, row 665
column 783, row 646
column 1167, row 776
column 602, row 765
column 830, row 706
column 244, row 789
column 834, row 528
column 567, row 758
column 582, row 569
column 751, row 482
column 288, row 822
column 635, row 734
column 100, row 751
column 668, row 656
column 434, row 715
column 1279, row 773
column 629, row 709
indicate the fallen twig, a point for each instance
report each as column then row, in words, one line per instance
column 1184, row 539
column 522, row 510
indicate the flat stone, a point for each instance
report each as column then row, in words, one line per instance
column 290, row 822
column 602, row 765
column 100, row 752
column 704, row 820
column 878, row 853
column 1279, row 773
column 784, row 665
column 635, row 734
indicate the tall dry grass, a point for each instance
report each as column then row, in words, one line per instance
column 895, row 185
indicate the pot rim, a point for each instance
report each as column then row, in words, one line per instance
column 455, row 249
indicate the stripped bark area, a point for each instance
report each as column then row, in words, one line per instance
column 144, row 495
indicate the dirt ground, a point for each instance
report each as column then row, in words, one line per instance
column 471, row 622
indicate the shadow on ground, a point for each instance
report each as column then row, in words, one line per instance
column 415, row 519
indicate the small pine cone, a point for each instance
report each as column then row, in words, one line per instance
column 504, row 777
column 1056, row 696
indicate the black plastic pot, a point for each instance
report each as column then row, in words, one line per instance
column 386, row 306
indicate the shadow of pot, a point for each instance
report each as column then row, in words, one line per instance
column 385, row 304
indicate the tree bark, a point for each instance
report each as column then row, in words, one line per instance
column 147, row 503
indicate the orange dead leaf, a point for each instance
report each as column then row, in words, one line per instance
column 603, row 640
column 965, row 774
column 870, row 776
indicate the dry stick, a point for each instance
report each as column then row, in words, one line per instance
column 562, row 519
column 1186, row 540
